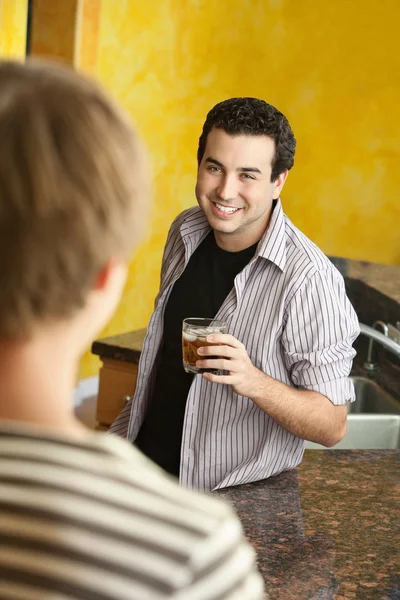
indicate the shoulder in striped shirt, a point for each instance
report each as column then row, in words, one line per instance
column 96, row 519
column 303, row 259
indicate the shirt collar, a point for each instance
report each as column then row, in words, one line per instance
column 272, row 245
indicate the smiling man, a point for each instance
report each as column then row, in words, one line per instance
column 288, row 353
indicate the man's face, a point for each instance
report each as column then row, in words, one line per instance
column 234, row 187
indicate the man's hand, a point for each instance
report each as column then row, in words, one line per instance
column 243, row 376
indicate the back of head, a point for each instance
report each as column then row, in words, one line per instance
column 251, row 116
column 73, row 192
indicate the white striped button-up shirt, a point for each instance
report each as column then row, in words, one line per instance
column 289, row 308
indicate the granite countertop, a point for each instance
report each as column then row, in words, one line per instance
column 382, row 278
column 328, row 529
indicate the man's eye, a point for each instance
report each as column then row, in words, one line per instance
column 247, row 176
column 213, row 169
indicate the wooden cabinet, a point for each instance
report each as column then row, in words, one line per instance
column 119, row 355
column 117, row 383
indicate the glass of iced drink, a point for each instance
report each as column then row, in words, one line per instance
column 194, row 334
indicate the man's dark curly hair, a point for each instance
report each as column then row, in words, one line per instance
column 251, row 116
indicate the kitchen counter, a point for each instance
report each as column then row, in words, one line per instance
column 125, row 346
column 384, row 279
column 328, row 529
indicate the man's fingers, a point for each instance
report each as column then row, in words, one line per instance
column 226, row 351
column 218, row 378
column 221, row 364
column 224, row 339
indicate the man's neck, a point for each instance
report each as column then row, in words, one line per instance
column 36, row 385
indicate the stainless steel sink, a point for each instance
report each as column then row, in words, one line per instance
column 373, row 421
column 368, row 432
column 371, row 398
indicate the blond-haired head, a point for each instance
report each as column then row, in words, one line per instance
column 73, row 191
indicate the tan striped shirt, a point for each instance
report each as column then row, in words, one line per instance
column 289, row 308
column 96, row 520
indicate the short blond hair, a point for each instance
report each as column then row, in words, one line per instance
column 73, row 191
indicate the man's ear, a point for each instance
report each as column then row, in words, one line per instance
column 278, row 184
column 105, row 274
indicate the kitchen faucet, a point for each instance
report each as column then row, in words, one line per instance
column 383, row 339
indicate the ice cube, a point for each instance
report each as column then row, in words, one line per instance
column 216, row 330
column 204, row 331
column 188, row 336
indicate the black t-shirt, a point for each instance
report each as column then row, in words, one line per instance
column 199, row 292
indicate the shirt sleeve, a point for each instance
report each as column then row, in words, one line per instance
column 222, row 567
column 320, row 328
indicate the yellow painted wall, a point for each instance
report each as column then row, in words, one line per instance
column 332, row 67
column 87, row 35
column 13, row 22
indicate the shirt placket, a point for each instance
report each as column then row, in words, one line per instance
column 189, row 476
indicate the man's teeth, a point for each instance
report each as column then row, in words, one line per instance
column 226, row 209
